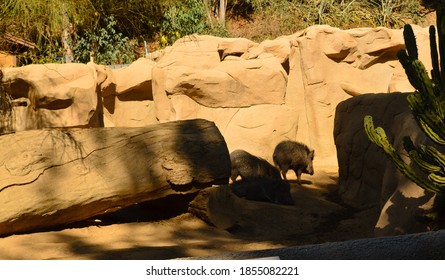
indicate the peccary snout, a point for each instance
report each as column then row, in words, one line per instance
column 295, row 156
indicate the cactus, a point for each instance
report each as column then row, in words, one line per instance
column 427, row 104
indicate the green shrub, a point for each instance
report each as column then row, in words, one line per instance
column 106, row 45
column 185, row 18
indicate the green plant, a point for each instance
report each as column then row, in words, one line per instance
column 105, row 44
column 182, row 19
column 49, row 24
column 427, row 104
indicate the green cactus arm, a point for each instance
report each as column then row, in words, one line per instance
column 440, row 23
column 379, row 138
column 437, row 156
column 435, row 73
column 431, row 125
column 410, row 42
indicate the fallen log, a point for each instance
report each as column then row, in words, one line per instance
column 58, row 176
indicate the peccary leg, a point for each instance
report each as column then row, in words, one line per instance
column 234, row 174
column 298, row 173
column 284, row 172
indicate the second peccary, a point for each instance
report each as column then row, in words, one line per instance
column 295, row 156
column 265, row 189
column 250, row 167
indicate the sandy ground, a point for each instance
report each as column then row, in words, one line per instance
column 317, row 217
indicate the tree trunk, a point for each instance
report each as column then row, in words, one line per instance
column 54, row 177
column 222, row 11
column 66, row 37
column 219, row 8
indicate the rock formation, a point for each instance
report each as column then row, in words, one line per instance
column 256, row 94
column 54, row 177
column 52, row 95
column 367, row 177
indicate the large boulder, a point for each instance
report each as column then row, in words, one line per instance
column 131, row 104
column 367, row 178
column 329, row 65
column 51, row 95
column 54, row 177
column 238, row 94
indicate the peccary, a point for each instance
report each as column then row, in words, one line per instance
column 250, row 167
column 293, row 155
column 265, row 189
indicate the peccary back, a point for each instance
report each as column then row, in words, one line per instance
column 250, row 167
column 293, row 155
column 266, row 189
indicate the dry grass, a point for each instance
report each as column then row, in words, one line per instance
column 277, row 18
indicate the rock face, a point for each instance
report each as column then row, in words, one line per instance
column 52, row 95
column 53, row 177
column 367, row 177
column 257, row 94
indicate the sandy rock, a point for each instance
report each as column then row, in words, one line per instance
column 51, row 95
column 329, row 65
column 218, row 206
column 234, row 47
column 366, row 176
column 307, row 74
column 136, row 78
column 132, row 103
column 105, row 79
column 279, row 48
column 223, row 92
column 53, row 177
column 197, row 51
column 232, row 84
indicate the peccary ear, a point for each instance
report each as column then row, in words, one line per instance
column 311, row 154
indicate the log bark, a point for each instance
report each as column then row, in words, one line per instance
column 54, row 177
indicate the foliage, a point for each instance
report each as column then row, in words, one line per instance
column 164, row 21
column 43, row 22
column 105, row 45
column 185, row 18
column 139, row 19
column 270, row 19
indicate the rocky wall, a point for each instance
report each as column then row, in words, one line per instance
column 258, row 94
column 367, row 178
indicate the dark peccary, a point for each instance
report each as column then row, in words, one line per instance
column 250, row 167
column 265, row 189
column 293, row 155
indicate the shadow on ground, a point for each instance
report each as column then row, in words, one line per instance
column 154, row 231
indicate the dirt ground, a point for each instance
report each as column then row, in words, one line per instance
column 148, row 233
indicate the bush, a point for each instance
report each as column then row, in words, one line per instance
column 106, row 45
column 182, row 19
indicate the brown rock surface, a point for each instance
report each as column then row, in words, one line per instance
column 262, row 226
column 300, row 78
column 54, row 177
column 52, row 95
column 366, row 177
